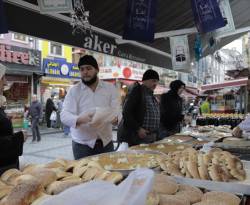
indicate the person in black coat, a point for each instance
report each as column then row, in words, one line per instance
column 141, row 113
column 49, row 108
column 11, row 144
column 171, row 109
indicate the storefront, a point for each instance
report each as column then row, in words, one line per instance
column 23, row 71
column 59, row 76
column 227, row 97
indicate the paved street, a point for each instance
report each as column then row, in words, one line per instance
column 52, row 146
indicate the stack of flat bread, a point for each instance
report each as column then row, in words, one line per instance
column 167, row 192
column 161, row 147
column 38, row 182
column 217, row 165
column 127, row 160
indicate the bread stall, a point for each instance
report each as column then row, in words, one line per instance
column 182, row 175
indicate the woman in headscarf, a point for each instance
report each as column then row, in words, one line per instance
column 11, row 144
column 171, row 109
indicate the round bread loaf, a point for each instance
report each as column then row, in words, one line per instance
column 164, row 185
column 152, row 199
column 217, row 196
column 173, row 200
column 24, row 193
column 190, row 193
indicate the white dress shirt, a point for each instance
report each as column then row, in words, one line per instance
column 81, row 100
column 245, row 124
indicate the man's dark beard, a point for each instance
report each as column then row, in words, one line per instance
column 90, row 82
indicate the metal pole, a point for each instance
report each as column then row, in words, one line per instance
column 246, row 101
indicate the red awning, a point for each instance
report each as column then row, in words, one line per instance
column 231, row 83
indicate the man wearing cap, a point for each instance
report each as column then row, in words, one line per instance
column 11, row 144
column 141, row 112
column 78, row 108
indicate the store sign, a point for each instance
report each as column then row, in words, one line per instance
column 18, row 55
column 106, row 45
column 123, row 72
column 60, row 68
column 180, row 53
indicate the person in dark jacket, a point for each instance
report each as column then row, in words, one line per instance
column 171, row 109
column 35, row 111
column 49, row 108
column 141, row 113
column 11, row 144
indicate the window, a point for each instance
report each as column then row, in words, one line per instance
column 55, row 49
column 20, row 38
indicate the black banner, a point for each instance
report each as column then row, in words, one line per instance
column 41, row 26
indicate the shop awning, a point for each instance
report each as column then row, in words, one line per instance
column 231, row 83
column 173, row 18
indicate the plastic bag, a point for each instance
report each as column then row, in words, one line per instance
column 102, row 116
column 132, row 191
column 53, row 116
column 123, row 147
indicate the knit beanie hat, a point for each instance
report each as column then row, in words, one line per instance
column 150, row 75
column 88, row 60
column 2, row 70
column 176, row 85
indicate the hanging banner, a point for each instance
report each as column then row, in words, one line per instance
column 180, row 53
column 140, row 20
column 55, row 6
column 3, row 23
column 228, row 18
column 207, row 15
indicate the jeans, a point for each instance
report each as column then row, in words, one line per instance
column 80, row 150
column 35, row 129
column 66, row 129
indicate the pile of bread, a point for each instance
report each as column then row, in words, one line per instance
column 37, row 182
column 216, row 165
column 167, row 192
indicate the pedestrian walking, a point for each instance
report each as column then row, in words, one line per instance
column 35, row 111
column 49, row 108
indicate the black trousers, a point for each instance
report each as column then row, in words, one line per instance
column 35, row 129
column 80, row 150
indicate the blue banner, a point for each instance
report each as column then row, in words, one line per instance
column 60, row 68
column 3, row 22
column 140, row 20
column 207, row 15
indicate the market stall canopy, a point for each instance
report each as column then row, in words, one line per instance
column 230, row 83
column 107, row 18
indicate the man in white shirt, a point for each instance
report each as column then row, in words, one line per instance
column 243, row 126
column 78, row 110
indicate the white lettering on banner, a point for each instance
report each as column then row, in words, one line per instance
column 95, row 44
column 88, row 43
column 130, row 56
